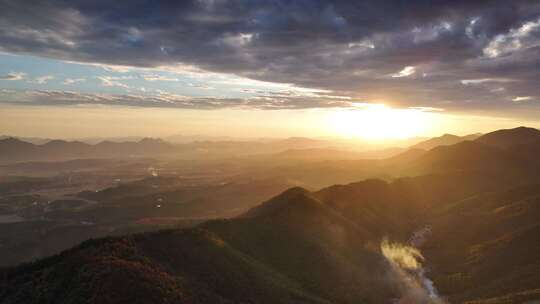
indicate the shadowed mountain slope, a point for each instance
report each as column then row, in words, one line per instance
column 487, row 246
column 292, row 249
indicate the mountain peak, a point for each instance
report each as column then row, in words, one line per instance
column 59, row 143
column 506, row 138
column 443, row 140
column 448, row 135
column 289, row 196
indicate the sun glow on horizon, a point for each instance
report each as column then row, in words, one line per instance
column 379, row 122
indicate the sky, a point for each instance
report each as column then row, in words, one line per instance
column 388, row 68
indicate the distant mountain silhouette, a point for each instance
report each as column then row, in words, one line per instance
column 509, row 150
column 12, row 149
column 444, row 140
column 321, row 154
column 511, row 137
column 32, row 140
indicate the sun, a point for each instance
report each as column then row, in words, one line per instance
column 378, row 122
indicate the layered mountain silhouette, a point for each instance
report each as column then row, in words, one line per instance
column 511, row 150
column 475, row 155
column 480, row 200
column 12, row 149
column 444, row 140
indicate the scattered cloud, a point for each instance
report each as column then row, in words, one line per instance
column 155, row 77
column 362, row 44
column 114, row 81
column 13, row 76
column 43, row 79
column 498, row 90
column 407, row 71
column 485, row 80
column 516, row 39
column 238, row 40
column 69, row 81
column 201, row 86
column 522, row 98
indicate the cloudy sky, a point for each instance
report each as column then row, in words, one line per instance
column 210, row 60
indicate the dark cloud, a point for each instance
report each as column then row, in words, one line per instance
column 350, row 47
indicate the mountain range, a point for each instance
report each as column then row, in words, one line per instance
column 294, row 148
column 13, row 149
column 463, row 226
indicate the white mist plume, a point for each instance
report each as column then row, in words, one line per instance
column 406, row 269
column 153, row 171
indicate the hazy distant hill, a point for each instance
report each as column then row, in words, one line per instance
column 468, row 156
column 32, row 140
column 444, row 140
column 320, row 154
column 289, row 149
column 183, row 139
column 12, row 149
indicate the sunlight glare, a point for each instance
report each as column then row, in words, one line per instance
column 379, row 121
